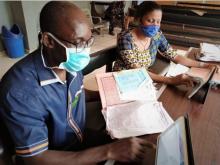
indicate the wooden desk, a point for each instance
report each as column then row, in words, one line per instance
column 177, row 104
column 204, row 121
column 204, row 125
column 205, row 130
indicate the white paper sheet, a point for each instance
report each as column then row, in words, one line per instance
column 135, row 84
column 145, row 92
column 136, row 118
column 176, row 69
column 209, row 52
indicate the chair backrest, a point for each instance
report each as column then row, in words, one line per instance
column 106, row 57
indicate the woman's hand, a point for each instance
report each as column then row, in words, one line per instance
column 182, row 79
column 208, row 65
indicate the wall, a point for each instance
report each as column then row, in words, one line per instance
column 26, row 15
column 31, row 15
column 31, row 12
column 5, row 17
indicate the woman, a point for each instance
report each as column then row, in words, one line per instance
column 138, row 47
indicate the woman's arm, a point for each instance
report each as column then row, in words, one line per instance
column 191, row 63
column 168, row 52
column 187, row 61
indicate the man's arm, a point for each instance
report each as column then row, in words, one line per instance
column 52, row 157
column 125, row 150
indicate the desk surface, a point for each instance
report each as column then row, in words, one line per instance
column 204, row 121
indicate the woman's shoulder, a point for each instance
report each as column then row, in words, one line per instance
column 125, row 35
column 125, row 40
column 158, row 36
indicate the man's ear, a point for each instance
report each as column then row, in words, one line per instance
column 47, row 41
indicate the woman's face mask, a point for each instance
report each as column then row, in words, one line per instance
column 150, row 23
column 150, row 30
column 75, row 60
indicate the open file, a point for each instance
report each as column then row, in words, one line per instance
column 126, row 118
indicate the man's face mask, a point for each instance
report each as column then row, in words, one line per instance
column 150, row 31
column 76, row 58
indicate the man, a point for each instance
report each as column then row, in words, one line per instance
column 42, row 100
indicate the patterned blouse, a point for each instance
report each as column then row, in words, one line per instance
column 129, row 54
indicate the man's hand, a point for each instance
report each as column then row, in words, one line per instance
column 130, row 149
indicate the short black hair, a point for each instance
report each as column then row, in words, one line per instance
column 50, row 14
column 147, row 7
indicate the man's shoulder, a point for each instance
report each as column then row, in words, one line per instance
column 20, row 75
column 26, row 61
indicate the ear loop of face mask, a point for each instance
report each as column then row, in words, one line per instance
column 41, row 51
column 41, row 47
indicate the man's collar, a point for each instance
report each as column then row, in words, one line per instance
column 46, row 75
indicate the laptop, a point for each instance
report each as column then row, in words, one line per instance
column 174, row 145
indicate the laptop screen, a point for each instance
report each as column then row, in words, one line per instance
column 172, row 145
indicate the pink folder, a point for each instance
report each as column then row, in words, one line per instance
column 108, row 90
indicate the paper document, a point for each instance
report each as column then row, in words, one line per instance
column 209, row 52
column 108, row 90
column 146, row 92
column 136, row 118
column 129, row 103
column 129, row 80
column 135, row 84
column 176, row 69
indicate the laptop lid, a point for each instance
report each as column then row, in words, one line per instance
column 174, row 145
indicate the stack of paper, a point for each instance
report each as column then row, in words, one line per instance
column 130, row 106
column 209, row 52
column 136, row 118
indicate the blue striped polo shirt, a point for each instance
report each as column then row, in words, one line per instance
column 40, row 111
